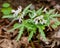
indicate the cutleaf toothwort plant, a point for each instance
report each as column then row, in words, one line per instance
column 37, row 20
column 18, row 14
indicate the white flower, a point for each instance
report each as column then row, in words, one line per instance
column 40, row 19
column 43, row 21
column 37, row 19
column 16, row 12
column 45, row 9
column 13, row 11
column 20, row 19
column 36, row 22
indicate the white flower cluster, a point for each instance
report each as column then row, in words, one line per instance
column 40, row 19
column 17, row 12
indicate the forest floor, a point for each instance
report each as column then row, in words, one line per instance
column 7, row 39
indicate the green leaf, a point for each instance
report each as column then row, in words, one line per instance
column 30, row 26
column 6, row 5
column 50, row 11
column 32, row 14
column 15, row 27
column 57, row 22
column 54, row 15
column 54, row 26
column 25, row 11
column 30, row 35
column 48, row 22
column 6, row 11
column 42, row 33
column 8, row 16
column 42, row 27
column 20, row 33
column 16, row 24
column 39, row 12
column 47, row 17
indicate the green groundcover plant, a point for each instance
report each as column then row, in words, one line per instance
column 6, row 9
column 37, row 19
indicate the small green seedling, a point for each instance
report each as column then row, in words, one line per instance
column 6, row 9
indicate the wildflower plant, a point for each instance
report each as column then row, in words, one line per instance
column 37, row 20
column 18, row 14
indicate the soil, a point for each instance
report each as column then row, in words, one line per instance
column 7, row 39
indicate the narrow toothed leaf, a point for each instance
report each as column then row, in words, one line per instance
column 39, row 12
column 30, row 35
column 20, row 33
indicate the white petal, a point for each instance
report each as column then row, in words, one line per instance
column 20, row 9
column 13, row 11
column 45, row 9
column 36, row 22
column 20, row 20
